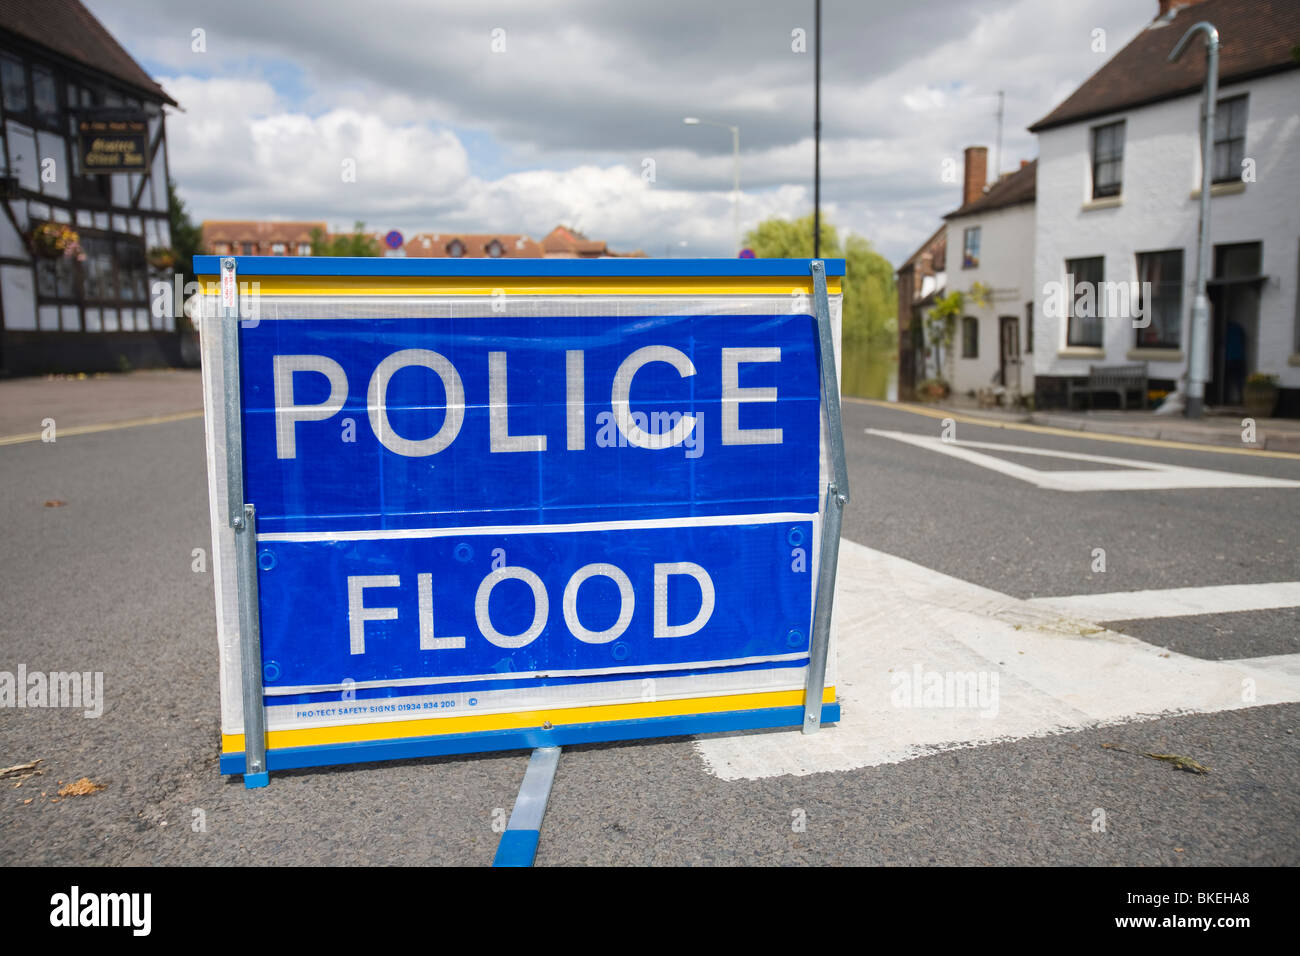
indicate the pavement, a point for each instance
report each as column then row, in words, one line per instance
column 1105, row 603
column 79, row 402
column 1273, row 434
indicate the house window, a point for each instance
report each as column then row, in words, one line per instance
column 277, row 248
column 247, row 248
column 1164, row 310
column 1107, row 160
column 98, row 281
column 970, row 248
column 970, row 337
column 56, row 278
column 1084, row 278
column 14, row 80
column 220, row 249
column 1229, row 138
column 495, row 249
column 114, row 271
column 455, row 249
column 45, row 97
column 1029, row 327
column 304, row 248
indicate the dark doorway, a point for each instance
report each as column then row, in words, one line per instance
column 1234, row 303
column 1009, row 352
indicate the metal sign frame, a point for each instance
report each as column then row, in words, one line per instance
column 255, row 761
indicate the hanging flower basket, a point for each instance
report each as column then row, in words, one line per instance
column 53, row 240
column 162, row 257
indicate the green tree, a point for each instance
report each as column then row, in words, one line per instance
column 355, row 243
column 941, row 322
column 791, row 239
column 187, row 238
column 870, row 304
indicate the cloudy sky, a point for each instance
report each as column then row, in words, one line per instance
column 514, row 116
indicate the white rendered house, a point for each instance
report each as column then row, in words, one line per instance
column 1118, row 189
column 991, row 248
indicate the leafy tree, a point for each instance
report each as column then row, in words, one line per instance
column 786, row 239
column 187, row 238
column 870, row 301
column 941, row 321
column 355, row 243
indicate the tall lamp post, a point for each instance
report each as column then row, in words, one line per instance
column 1198, row 354
column 735, row 172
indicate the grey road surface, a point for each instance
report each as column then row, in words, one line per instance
column 105, row 582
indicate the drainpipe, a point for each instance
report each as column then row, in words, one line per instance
column 1198, row 353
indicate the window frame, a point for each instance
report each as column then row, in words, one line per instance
column 967, row 260
column 1168, row 286
column 1115, row 190
column 970, row 337
column 1071, row 340
column 1222, row 108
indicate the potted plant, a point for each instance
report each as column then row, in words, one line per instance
column 932, row 390
column 1260, row 394
column 53, row 240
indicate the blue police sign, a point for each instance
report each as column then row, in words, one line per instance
column 483, row 505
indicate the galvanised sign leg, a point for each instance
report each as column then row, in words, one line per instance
column 243, row 520
column 837, row 496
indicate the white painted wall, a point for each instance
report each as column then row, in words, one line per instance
column 1157, row 211
column 1007, row 267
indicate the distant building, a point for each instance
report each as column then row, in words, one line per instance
column 1119, row 180
column 991, row 236
column 60, row 69
column 565, row 243
column 472, row 245
column 249, row 238
column 921, row 279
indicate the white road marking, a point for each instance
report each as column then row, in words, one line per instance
column 1173, row 602
column 1130, row 475
column 1054, row 674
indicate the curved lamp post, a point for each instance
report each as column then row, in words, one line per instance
column 1198, row 353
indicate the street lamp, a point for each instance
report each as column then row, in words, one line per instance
column 735, row 172
column 1198, row 352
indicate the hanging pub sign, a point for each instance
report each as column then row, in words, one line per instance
column 479, row 505
column 115, row 141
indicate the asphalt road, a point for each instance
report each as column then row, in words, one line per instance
column 105, row 583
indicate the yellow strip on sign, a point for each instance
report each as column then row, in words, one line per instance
column 519, row 720
column 537, row 285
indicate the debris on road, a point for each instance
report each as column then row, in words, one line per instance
column 21, row 770
column 80, row 788
column 1186, row 764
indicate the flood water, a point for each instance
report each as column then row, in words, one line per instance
column 871, row 374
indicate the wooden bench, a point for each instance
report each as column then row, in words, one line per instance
column 1120, row 379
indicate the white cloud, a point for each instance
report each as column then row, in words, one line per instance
column 448, row 135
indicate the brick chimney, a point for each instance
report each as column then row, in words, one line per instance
column 1167, row 7
column 976, row 173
